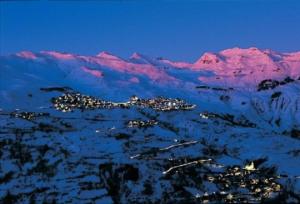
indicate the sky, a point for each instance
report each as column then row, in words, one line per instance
column 180, row 30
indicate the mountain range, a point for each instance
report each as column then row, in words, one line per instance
column 105, row 129
column 248, row 76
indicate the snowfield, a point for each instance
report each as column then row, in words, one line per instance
column 102, row 129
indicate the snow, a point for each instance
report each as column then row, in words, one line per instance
column 58, row 55
column 27, row 55
column 223, row 86
column 107, row 55
column 95, row 73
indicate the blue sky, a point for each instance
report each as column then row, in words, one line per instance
column 175, row 29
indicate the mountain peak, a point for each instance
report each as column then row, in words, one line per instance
column 209, row 58
column 142, row 59
column 243, row 51
column 108, row 55
column 136, row 55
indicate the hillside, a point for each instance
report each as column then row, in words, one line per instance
column 103, row 129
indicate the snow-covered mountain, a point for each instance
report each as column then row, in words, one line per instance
column 236, row 67
column 247, row 105
column 236, row 74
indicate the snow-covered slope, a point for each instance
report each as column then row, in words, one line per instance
column 247, row 107
column 249, row 66
column 233, row 73
column 235, row 67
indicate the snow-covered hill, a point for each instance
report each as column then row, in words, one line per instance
column 76, row 115
column 237, row 75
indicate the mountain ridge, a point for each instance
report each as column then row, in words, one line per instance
column 235, row 51
column 236, row 66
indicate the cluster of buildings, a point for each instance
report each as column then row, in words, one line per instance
column 28, row 115
column 70, row 101
column 162, row 104
column 260, row 182
column 141, row 123
column 256, row 185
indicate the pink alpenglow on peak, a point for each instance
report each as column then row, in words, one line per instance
column 209, row 58
column 235, row 67
column 237, row 58
column 143, row 59
column 93, row 72
column 120, row 65
column 292, row 56
column 107, row 55
column 241, row 51
column 136, row 55
column 252, row 55
column 249, row 66
column 139, row 58
column 59, row 55
column 27, row 55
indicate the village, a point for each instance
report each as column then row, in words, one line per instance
column 28, row 115
column 161, row 103
column 141, row 123
column 71, row 101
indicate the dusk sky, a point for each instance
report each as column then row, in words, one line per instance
column 178, row 29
